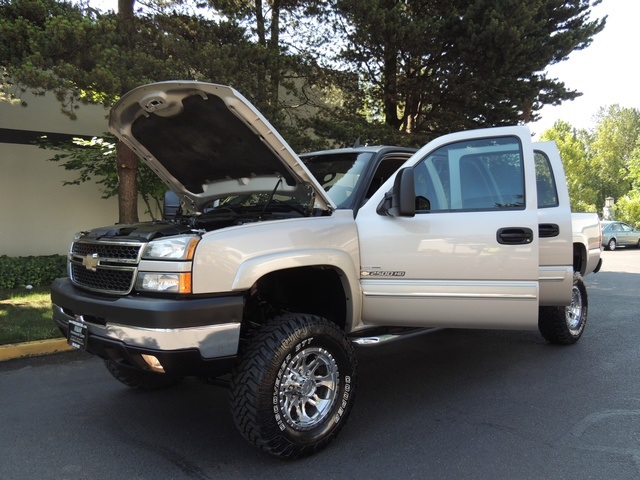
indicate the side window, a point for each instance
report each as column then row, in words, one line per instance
column 545, row 182
column 387, row 167
column 472, row 175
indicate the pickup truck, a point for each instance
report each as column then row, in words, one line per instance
column 277, row 266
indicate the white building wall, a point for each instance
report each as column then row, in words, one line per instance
column 38, row 215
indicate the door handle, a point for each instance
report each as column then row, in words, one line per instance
column 548, row 230
column 514, row 236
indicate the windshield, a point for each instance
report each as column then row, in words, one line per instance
column 338, row 173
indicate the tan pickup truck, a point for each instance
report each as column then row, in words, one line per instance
column 278, row 266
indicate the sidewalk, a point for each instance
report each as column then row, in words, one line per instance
column 41, row 347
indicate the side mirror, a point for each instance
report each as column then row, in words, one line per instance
column 400, row 201
column 171, row 205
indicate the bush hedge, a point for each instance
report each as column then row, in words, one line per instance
column 16, row 272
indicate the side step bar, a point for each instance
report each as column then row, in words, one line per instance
column 377, row 337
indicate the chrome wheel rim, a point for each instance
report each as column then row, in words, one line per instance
column 574, row 311
column 308, row 388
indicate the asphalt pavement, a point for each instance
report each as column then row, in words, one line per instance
column 455, row 404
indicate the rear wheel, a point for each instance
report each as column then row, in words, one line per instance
column 564, row 325
column 139, row 379
column 612, row 245
column 294, row 385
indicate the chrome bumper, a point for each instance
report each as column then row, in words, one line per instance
column 211, row 341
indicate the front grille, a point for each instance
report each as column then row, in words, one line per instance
column 123, row 252
column 104, row 279
column 106, row 267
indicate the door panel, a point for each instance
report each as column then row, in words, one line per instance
column 554, row 225
column 450, row 264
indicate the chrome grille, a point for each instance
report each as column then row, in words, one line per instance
column 106, row 267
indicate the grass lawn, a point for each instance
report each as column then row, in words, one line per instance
column 25, row 316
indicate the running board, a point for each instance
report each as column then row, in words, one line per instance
column 389, row 336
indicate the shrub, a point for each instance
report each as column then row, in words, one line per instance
column 18, row 272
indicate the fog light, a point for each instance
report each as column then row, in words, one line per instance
column 153, row 363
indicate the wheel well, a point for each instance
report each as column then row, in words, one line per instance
column 579, row 258
column 314, row 290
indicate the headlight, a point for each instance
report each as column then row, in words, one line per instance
column 172, row 248
column 164, row 282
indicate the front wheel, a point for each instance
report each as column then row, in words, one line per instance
column 294, row 385
column 564, row 325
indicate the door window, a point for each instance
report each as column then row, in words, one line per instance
column 473, row 175
column 545, row 182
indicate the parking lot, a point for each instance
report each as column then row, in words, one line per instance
column 452, row 404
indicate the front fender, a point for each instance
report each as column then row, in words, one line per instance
column 234, row 258
column 255, row 268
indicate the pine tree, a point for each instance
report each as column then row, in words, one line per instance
column 437, row 66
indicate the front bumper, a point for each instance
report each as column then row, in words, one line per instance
column 191, row 336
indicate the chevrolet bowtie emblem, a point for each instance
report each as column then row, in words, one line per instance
column 91, row 261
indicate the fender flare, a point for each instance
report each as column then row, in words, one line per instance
column 255, row 268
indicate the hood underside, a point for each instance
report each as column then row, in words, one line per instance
column 207, row 142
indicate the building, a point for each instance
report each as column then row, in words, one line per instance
column 39, row 215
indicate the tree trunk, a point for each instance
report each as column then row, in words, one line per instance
column 390, row 86
column 261, row 66
column 412, row 112
column 125, row 8
column 127, row 168
column 274, row 47
column 260, row 23
column 126, row 159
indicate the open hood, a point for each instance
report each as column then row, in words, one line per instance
column 207, row 141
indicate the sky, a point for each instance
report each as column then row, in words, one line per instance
column 607, row 72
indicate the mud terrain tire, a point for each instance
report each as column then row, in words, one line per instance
column 294, row 385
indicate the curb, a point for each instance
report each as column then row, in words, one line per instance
column 41, row 347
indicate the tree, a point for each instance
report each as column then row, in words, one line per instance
column 95, row 160
column 615, row 155
column 573, row 145
column 84, row 56
column 611, row 150
column 604, row 162
column 408, row 70
column 439, row 66
column 289, row 83
column 627, row 209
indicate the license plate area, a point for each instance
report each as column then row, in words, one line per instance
column 78, row 334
